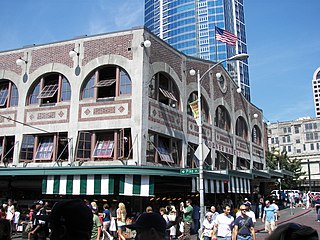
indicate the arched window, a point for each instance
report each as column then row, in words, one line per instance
column 241, row 128
column 204, row 106
column 50, row 89
column 8, row 94
column 318, row 75
column 106, row 82
column 256, row 135
column 163, row 88
column 222, row 118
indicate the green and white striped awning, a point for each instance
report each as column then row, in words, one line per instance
column 235, row 185
column 136, row 185
column 210, row 185
column 104, row 184
column 239, row 185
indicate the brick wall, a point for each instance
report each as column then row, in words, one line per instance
column 161, row 53
column 119, row 45
column 51, row 54
column 8, row 62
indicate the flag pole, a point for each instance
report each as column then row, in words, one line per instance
column 215, row 43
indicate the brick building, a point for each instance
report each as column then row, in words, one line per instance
column 113, row 119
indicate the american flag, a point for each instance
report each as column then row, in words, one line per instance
column 225, row 36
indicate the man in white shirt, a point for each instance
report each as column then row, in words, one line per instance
column 223, row 225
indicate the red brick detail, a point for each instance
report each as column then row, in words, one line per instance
column 118, row 45
column 165, row 116
column 196, row 65
column 193, row 129
column 5, row 122
column 51, row 54
column 239, row 102
column 162, row 53
column 46, row 115
column 104, row 110
column 8, row 62
column 107, row 108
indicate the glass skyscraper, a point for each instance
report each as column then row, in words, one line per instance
column 189, row 26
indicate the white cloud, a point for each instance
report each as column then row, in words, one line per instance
column 114, row 16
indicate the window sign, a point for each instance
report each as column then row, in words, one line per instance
column 45, row 149
column 103, row 149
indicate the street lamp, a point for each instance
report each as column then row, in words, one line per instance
column 242, row 56
column 276, row 152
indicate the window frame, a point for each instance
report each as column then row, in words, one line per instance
column 11, row 98
column 163, row 89
column 114, row 80
column 40, row 95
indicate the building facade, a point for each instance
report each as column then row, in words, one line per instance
column 112, row 118
column 316, row 91
column 189, row 26
column 300, row 139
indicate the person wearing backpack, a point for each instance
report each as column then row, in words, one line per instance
column 243, row 228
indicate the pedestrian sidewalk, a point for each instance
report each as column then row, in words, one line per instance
column 286, row 215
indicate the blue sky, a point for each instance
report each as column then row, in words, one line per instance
column 283, row 41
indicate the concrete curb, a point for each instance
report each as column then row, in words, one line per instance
column 286, row 220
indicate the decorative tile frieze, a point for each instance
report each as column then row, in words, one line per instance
column 5, row 119
column 165, row 116
column 47, row 115
column 105, row 110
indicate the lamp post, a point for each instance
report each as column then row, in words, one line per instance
column 241, row 56
column 277, row 154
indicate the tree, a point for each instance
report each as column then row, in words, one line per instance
column 282, row 161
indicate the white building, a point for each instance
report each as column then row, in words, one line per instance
column 301, row 140
column 113, row 119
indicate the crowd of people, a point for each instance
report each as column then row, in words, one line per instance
column 79, row 219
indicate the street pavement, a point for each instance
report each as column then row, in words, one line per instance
column 299, row 215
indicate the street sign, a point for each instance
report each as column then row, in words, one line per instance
column 205, row 152
column 185, row 171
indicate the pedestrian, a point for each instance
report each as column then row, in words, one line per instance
column 260, row 208
column 246, row 201
column 308, row 200
column 16, row 219
column 40, row 229
column 163, row 213
column 106, row 218
column 276, row 207
column 269, row 217
column 187, row 219
column 70, row 220
column 196, row 218
column 249, row 213
column 10, row 213
column 171, row 209
column 121, row 220
column 149, row 209
column 96, row 227
column 223, row 225
column 207, row 226
column 294, row 231
column 5, row 229
column 214, row 212
column 149, row 226
column 243, row 226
